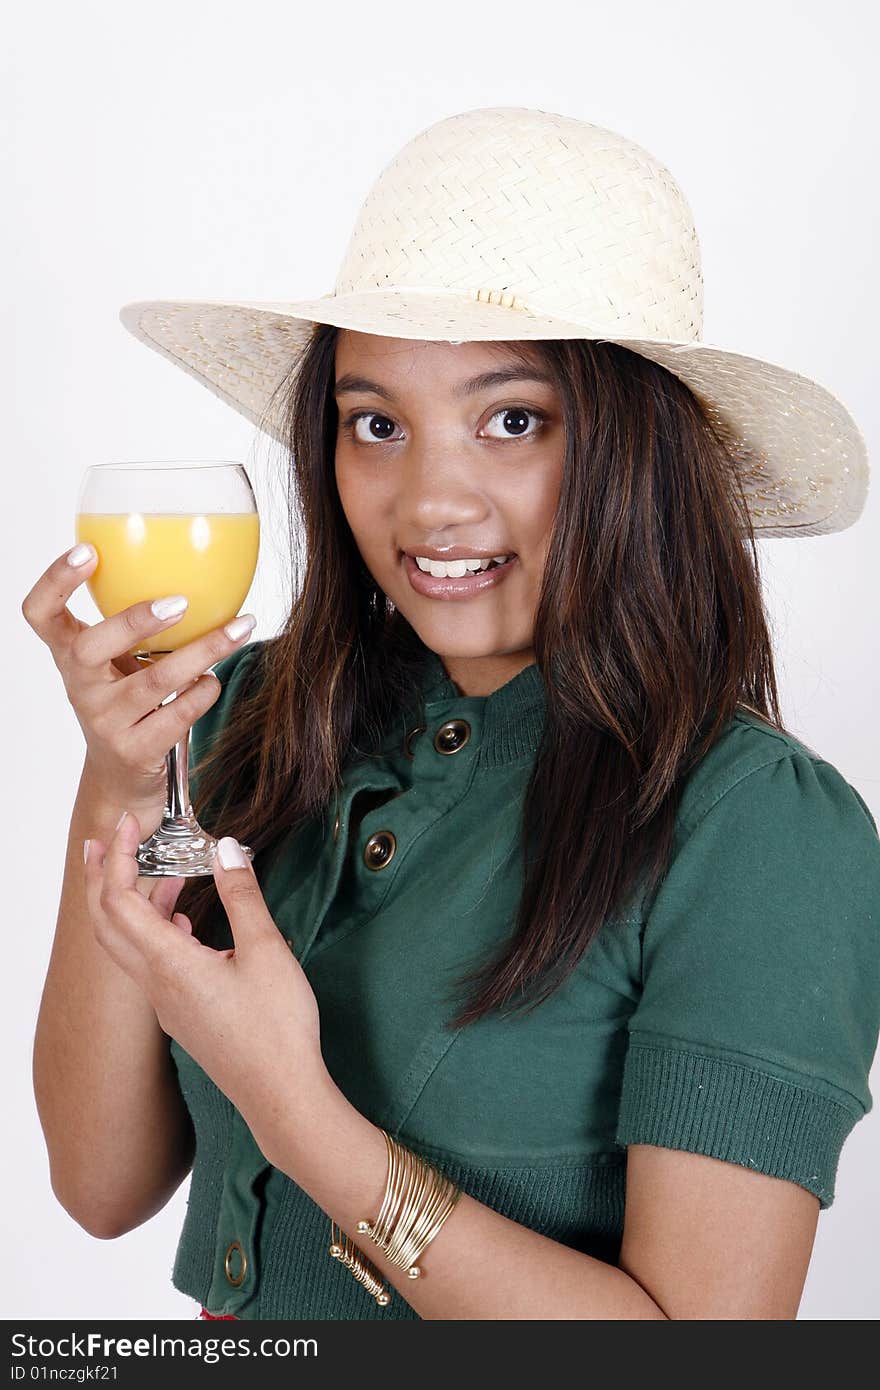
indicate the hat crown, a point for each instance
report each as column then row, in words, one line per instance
column 524, row 207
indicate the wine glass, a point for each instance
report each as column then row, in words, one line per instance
column 171, row 528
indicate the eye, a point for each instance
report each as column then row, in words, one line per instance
column 515, row 418
column 376, row 435
column 378, row 428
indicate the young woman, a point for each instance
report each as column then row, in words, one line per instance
column 552, row 990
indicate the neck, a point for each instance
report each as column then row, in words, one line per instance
column 482, row 675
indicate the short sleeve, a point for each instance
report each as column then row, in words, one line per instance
column 232, row 673
column 756, row 1027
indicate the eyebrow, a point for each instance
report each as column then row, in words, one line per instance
column 485, row 381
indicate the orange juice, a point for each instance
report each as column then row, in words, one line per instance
column 208, row 557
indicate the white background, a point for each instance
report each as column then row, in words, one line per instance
column 217, row 150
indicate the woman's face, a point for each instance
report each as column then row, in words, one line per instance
column 431, row 462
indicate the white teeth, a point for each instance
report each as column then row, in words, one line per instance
column 456, row 569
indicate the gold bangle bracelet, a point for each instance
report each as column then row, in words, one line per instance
column 417, row 1201
column 418, row 1194
column 395, row 1188
column 343, row 1249
column 424, row 1228
column 417, row 1188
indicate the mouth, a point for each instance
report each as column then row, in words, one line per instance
column 452, row 587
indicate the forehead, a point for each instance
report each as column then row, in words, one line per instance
column 407, row 361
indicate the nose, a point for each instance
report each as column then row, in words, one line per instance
column 439, row 488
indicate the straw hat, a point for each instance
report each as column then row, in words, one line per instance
column 510, row 223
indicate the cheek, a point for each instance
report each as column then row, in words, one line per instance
column 343, row 476
column 536, row 510
column 353, row 495
column 363, row 495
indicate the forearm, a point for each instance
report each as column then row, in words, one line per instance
column 116, row 1131
column 480, row 1266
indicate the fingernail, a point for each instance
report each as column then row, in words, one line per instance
column 80, row 554
column 121, row 819
column 172, row 607
column 240, row 627
column 86, row 844
column 231, row 854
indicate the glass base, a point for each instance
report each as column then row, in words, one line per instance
column 179, row 848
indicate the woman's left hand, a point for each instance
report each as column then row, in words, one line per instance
column 248, row 1015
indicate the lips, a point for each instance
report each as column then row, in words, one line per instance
column 468, row 586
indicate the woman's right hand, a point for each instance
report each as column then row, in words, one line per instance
column 117, row 699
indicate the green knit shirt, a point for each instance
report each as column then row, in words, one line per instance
column 735, row 1015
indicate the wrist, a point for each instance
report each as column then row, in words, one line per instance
column 94, row 811
column 102, row 806
column 332, row 1151
column 285, row 1122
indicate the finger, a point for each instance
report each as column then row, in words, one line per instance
column 181, row 920
column 113, row 888
column 240, row 893
column 165, row 726
column 105, row 920
column 165, row 894
column 45, row 609
column 120, row 862
column 184, row 666
column 117, row 635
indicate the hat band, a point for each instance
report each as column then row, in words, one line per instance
column 505, row 297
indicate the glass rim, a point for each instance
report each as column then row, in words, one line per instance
column 167, row 464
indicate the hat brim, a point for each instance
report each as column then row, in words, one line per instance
column 800, row 454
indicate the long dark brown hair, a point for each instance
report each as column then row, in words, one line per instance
column 650, row 630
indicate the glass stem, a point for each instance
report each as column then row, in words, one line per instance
column 179, row 845
column 177, row 805
column 178, row 816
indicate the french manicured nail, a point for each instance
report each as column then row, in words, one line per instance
column 121, row 819
column 80, row 555
column 86, row 844
column 172, row 607
column 231, row 854
column 240, row 627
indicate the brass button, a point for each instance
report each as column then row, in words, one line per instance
column 379, row 849
column 452, row 736
column 236, row 1279
column 336, row 827
column 407, row 742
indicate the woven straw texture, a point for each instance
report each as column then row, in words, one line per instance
column 509, row 223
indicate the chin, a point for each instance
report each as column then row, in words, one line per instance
column 458, row 639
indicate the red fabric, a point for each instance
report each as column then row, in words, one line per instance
column 219, row 1317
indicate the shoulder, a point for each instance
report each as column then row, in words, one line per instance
column 764, row 934
column 751, row 761
column 757, row 1023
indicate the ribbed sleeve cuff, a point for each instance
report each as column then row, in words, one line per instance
column 684, row 1100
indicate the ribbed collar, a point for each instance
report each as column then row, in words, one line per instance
column 511, row 718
